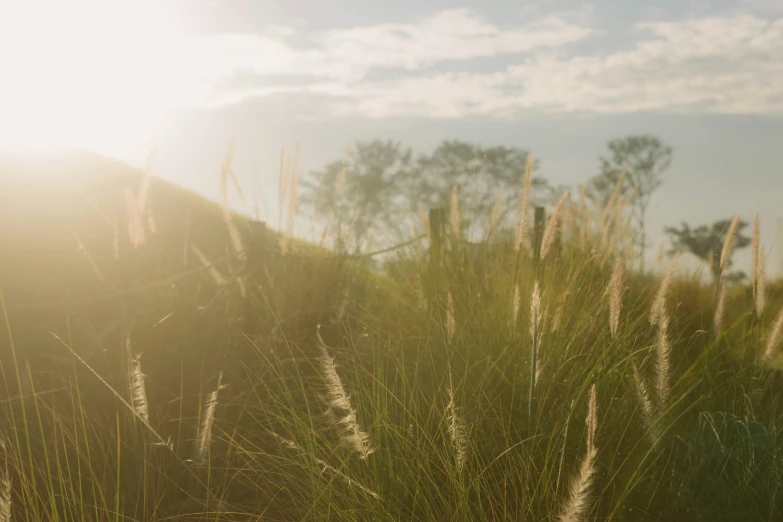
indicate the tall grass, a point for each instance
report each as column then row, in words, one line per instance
column 413, row 399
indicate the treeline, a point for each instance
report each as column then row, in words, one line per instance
column 377, row 191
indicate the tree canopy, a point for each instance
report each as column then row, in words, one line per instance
column 643, row 159
column 379, row 186
column 706, row 243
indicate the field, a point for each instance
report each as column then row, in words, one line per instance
column 164, row 361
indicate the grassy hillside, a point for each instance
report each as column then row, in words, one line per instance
column 505, row 390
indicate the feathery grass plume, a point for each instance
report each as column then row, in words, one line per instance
column 456, row 222
column 214, row 272
column 646, row 404
column 661, row 254
column 138, row 392
column 754, row 248
column 562, row 450
column 761, row 283
column 658, row 307
column 521, row 234
column 720, row 307
column 615, row 296
column 576, row 506
column 535, row 311
column 548, row 238
column 662, row 349
column 227, row 173
column 615, row 196
column 457, row 430
column 774, row 335
column 535, row 326
column 728, row 246
column 350, row 433
column 293, row 446
column 136, row 232
column 207, row 420
column 160, row 440
column 5, row 485
column 451, row 323
column 515, row 302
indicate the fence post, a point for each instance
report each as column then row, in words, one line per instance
column 538, row 234
column 437, row 231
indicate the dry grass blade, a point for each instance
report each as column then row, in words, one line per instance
column 293, row 446
column 451, row 323
column 227, row 173
column 515, row 304
column 615, row 296
column 160, row 440
column 214, row 272
column 350, row 433
column 207, row 420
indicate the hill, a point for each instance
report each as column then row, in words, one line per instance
column 254, row 384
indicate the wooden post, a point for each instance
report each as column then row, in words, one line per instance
column 538, row 234
column 437, row 231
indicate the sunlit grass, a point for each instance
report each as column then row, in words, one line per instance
column 412, row 394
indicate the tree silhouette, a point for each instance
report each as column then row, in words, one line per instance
column 706, row 243
column 363, row 190
column 378, row 187
column 644, row 158
column 485, row 177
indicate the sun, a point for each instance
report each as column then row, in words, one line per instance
column 95, row 74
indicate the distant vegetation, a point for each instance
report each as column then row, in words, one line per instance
column 165, row 359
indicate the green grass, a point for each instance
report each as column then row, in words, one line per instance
column 76, row 451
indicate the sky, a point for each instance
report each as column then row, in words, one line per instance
column 557, row 77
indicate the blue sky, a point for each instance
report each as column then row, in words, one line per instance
column 557, row 77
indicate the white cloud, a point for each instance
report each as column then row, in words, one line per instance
column 730, row 64
column 349, row 55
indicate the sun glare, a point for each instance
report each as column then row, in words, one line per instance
column 95, row 74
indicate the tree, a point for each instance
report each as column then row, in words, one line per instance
column 485, row 177
column 644, row 159
column 362, row 190
column 378, row 187
column 706, row 243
